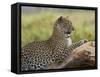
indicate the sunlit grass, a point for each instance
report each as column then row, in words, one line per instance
column 40, row 26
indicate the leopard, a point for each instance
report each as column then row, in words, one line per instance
column 53, row 52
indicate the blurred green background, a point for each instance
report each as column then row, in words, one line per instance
column 37, row 23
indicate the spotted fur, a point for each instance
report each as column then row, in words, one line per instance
column 43, row 55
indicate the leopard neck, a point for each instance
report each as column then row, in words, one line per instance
column 57, row 39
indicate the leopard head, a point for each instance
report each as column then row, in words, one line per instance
column 64, row 26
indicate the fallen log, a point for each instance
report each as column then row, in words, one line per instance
column 83, row 56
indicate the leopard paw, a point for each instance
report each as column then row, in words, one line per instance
column 84, row 41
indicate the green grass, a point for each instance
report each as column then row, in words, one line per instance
column 39, row 26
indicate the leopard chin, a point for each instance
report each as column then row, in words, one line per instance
column 68, row 41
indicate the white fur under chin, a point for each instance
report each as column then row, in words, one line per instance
column 68, row 41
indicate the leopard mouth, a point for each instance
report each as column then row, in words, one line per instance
column 67, row 35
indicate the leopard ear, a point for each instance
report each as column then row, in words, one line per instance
column 60, row 18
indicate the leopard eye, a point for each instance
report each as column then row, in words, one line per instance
column 64, row 25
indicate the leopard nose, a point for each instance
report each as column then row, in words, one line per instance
column 67, row 32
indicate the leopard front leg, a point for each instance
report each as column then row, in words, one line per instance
column 67, row 52
column 60, row 59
